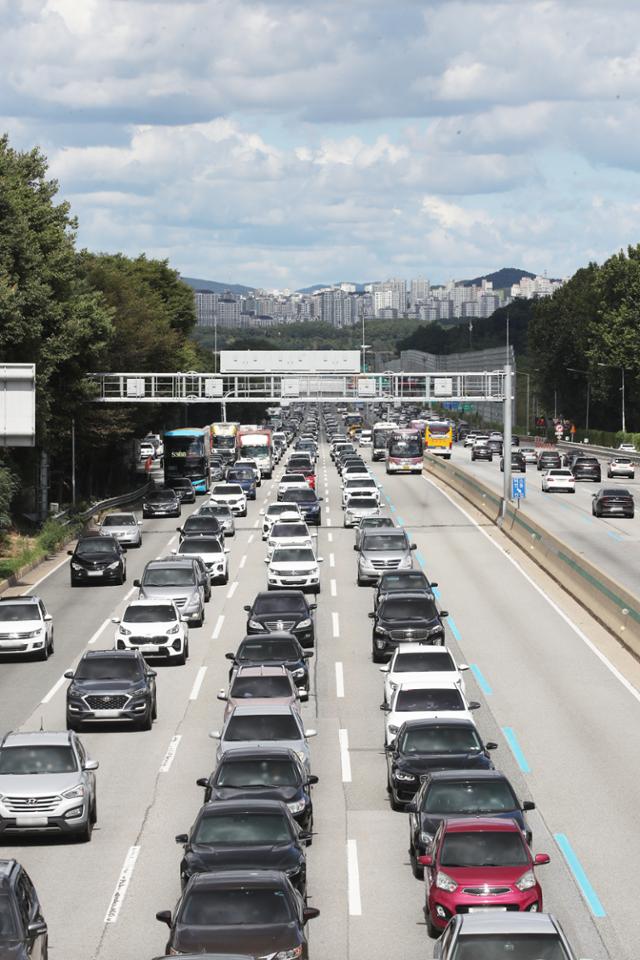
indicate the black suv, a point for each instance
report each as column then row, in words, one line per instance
column 402, row 581
column 184, row 488
column 586, row 468
column 23, row 930
column 273, row 649
column 518, row 462
column 405, row 618
column 111, row 686
column 286, row 610
column 201, row 525
column 432, row 744
column 162, row 503
column 549, row 460
column 97, row 560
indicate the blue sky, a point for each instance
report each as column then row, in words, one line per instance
column 284, row 143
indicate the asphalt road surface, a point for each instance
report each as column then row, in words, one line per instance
column 568, row 729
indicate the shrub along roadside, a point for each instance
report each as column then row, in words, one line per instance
column 32, row 550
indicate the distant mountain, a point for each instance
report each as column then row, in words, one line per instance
column 322, row 286
column 501, row 279
column 217, row 287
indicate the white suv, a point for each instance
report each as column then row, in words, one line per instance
column 294, row 568
column 155, row 628
column 288, row 533
column 230, row 495
column 25, row 627
column 285, row 510
column 212, row 553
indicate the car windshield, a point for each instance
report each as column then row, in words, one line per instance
column 242, row 473
column 227, row 489
column 484, row 848
column 289, row 530
column 257, row 773
column 363, row 503
column 403, row 582
column 200, row 545
column 108, row 668
column 169, row 577
column 201, row 523
column 423, row 661
column 387, row 541
column 161, row 496
column 243, row 828
column 99, row 545
column 257, row 651
column 246, row 688
column 8, row 922
column 372, row 522
column 276, row 509
column 47, row 758
column 440, row 739
column 508, row 946
column 408, row 608
column 431, row 699
column 405, row 448
column 15, row 612
column 119, row 520
column 472, row 797
column 217, row 510
column 614, row 492
column 293, row 555
column 156, row 613
column 268, row 726
column 293, row 478
column 243, row 906
column 363, row 484
column 302, row 496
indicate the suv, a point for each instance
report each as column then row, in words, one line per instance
column 47, row 785
column 505, row 932
column 161, row 503
column 25, row 627
column 97, row 559
column 518, row 462
column 111, row 685
column 155, row 628
column 184, row 488
column 586, row 468
column 409, row 581
column 288, row 610
column 308, row 503
column 549, row 460
column 382, row 551
column 275, row 648
column 402, row 618
column 201, row 525
column 182, row 580
column 23, row 930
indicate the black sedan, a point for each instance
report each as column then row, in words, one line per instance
column 613, row 502
column 97, row 560
column 481, row 451
column 184, row 488
column 245, row 835
column 432, row 744
column 518, row 462
column 402, row 618
column 162, row 503
column 258, row 912
column 286, row 610
column 272, row 649
column 263, row 773
column 402, row 581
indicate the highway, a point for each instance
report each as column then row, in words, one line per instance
column 568, row 729
column 608, row 542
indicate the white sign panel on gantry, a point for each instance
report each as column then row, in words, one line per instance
column 442, row 387
column 17, row 404
column 290, row 361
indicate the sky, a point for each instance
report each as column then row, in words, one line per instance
column 285, row 143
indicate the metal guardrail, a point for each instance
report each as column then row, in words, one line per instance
column 598, row 451
column 122, row 501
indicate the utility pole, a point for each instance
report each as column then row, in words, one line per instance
column 73, row 461
column 507, row 434
column 624, row 417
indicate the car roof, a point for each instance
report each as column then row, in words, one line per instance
column 494, row 922
column 467, row 775
column 276, row 709
column 480, row 824
column 260, row 753
column 279, row 670
column 439, row 722
column 25, row 738
column 107, row 654
column 236, row 878
column 24, row 600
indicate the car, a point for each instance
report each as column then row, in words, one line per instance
column 432, row 743
column 256, row 911
column 253, row 834
column 518, row 462
column 359, row 508
column 111, row 686
column 211, row 551
column 201, row 525
column 549, row 460
column 366, row 438
column 381, row 551
column 47, row 786
column 97, row 560
column 460, row 793
column 286, row 610
column 495, row 444
column 223, row 515
column 373, row 523
column 284, row 510
column 354, row 471
column 264, row 773
column 217, row 469
column 613, row 502
column 249, row 462
column 147, row 449
column 621, row 467
column 289, row 482
column 558, row 480
column 307, row 470
column 294, row 567
column 161, row 503
column 529, row 454
column 420, row 699
column 155, row 628
column 586, row 468
column 23, row 929
column 26, row 628
column 629, row 447
column 481, row 450
column 309, row 504
column 271, row 649
column 360, row 488
column 245, row 477
column 470, row 438
column 181, row 579
column 125, row 527
column 484, row 863
column 405, row 617
column 250, row 726
column 184, row 488
column 230, row 495
column 288, row 533
column 503, row 933
column 402, row 581
column 418, row 663
column 260, row 685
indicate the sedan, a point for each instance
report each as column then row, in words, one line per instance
column 501, row 931
column 481, row 451
column 274, row 725
column 260, row 686
column 161, row 503
column 230, row 495
column 613, row 502
column 97, row 560
column 529, row 454
column 420, row 663
column 258, row 912
column 621, row 467
column 558, row 480
column 125, row 527
column 518, row 462
column 416, row 701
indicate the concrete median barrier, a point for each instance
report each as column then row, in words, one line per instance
column 615, row 607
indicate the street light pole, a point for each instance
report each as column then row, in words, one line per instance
column 507, row 436
column 624, row 418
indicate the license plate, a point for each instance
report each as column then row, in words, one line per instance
column 148, row 648
column 486, row 909
column 94, row 573
column 107, row 714
column 32, row 821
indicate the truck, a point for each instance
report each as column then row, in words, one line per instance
column 256, row 445
column 223, row 440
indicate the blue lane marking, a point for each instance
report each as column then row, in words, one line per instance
column 580, row 876
column 454, row 629
column 516, row 749
column 586, row 519
column 436, row 592
column 420, row 558
column 481, row 679
column 393, row 509
column 387, row 498
column 401, row 521
column 616, row 536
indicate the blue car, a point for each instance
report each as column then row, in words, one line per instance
column 309, row 504
column 246, row 478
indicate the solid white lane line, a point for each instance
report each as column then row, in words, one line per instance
column 256, row 523
column 218, row 627
column 53, row 570
column 336, row 624
column 327, row 509
column 332, row 560
column 250, row 540
column 128, row 595
column 242, row 562
column 100, row 629
column 54, row 689
column 172, row 541
column 339, row 680
column 353, row 879
column 330, row 537
column 169, row 756
column 345, row 759
column 121, row 886
column 232, row 589
column 195, row 690
column 334, row 590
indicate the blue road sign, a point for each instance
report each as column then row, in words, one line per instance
column 518, row 488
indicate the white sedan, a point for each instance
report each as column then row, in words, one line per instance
column 285, row 510
column 291, row 481
column 289, row 533
column 230, row 495
column 155, row 628
column 294, row 568
column 559, row 480
column 212, row 553
column 419, row 701
column 421, row 663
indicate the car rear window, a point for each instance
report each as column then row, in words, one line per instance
column 261, row 650
column 242, row 906
column 267, row 727
column 441, row 662
column 470, row 797
column 247, row 688
column 412, row 701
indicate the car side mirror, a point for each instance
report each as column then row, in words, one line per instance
column 222, row 695
column 164, row 916
column 414, row 546
column 115, row 619
column 541, row 859
column 320, row 498
column 491, row 745
column 305, row 837
column 174, row 552
column 310, row 733
column 139, row 523
column 179, row 529
column 215, row 735
column 385, row 708
column 463, row 666
column 182, row 838
column 136, row 583
column 69, row 553
column 434, row 583
column 371, row 616
column 474, row 705
column 69, row 674
column 355, row 548
column 229, row 656
column 37, row 928
column 310, row 913
column 426, row 860
column 528, row 805
column 444, row 613
column 202, row 782
column 90, row 765
column 411, row 807
column 151, row 674
column 247, row 608
column 320, row 559
column 386, row 667
column 313, row 606
column 307, row 654
column 262, row 513
column 48, row 618
column 266, row 560
column 312, row 779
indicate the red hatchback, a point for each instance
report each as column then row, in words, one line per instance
column 477, row 866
